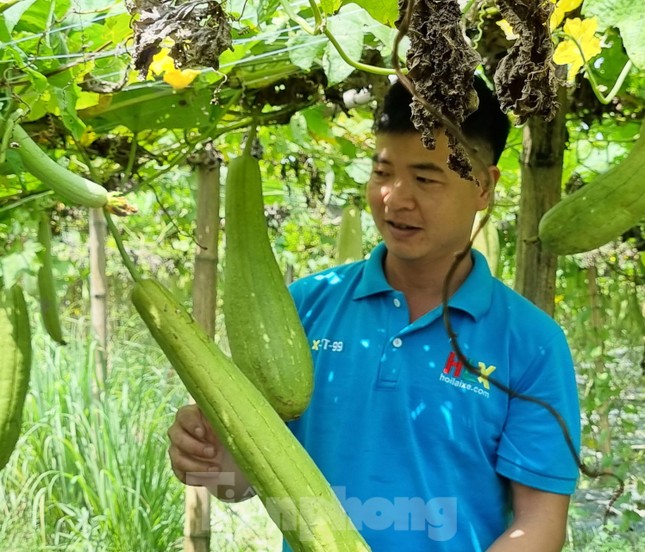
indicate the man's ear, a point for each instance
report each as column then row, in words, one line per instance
column 487, row 188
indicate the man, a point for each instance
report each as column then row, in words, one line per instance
column 423, row 454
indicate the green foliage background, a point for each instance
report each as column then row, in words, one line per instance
column 90, row 471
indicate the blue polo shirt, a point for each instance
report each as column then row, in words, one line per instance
column 418, row 450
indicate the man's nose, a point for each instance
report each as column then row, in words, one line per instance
column 398, row 194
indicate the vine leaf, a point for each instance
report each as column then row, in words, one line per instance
column 12, row 15
column 330, row 6
column 628, row 17
column 305, row 49
column 384, row 11
column 348, row 28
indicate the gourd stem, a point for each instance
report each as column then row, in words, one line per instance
column 250, row 139
column 127, row 261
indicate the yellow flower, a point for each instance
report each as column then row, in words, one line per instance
column 561, row 8
column 162, row 63
column 581, row 36
column 180, row 79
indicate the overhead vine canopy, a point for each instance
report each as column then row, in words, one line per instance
column 88, row 68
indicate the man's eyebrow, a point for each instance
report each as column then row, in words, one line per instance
column 427, row 166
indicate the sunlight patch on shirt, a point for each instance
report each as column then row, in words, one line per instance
column 418, row 410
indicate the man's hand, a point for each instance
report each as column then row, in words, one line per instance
column 539, row 523
column 199, row 458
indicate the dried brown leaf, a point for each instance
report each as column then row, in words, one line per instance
column 199, row 29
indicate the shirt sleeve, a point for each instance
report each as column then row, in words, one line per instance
column 533, row 449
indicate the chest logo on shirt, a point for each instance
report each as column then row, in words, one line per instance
column 454, row 373
column 326, row 345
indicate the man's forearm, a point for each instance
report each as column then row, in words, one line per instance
column 530, row 535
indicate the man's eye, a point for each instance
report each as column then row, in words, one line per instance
column 378, row 172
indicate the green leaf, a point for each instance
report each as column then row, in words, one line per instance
column 20, row 262
column 317, row 118
column 298, row 127
column 384, row 11
column 360, row 170
column 305, row 49
column 266, row 9
column 156, row 108
column 12, row 15
column 5, row 35
column 628, row 17
column 347, row 147
column 38, row 80
column 330, row 6
column 42, row 14
column 66, row 99
column 347, row 27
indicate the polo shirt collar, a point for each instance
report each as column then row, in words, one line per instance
column 473, row 296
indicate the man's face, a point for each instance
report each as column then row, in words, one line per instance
column 423, row 210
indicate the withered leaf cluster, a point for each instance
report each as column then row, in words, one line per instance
column 199, row 28
column 525, row 78
column 441, row 64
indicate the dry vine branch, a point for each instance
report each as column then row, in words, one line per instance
column 406, row 19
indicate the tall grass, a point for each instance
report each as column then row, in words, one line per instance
column 91, row 470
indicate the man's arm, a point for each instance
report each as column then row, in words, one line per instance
column 539, row 524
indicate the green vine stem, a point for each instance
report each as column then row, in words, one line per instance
column 127, row 261
column 24, row 200
column 318, row 18
column 293, row 15
column 356, row 64
column 132, row 157
column 7, row 129
column 321, row 27
column 592, row 80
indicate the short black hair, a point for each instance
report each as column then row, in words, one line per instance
column 488, row 124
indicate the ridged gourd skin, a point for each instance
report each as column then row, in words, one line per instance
column 296, row 494
column 49, row 308
column 265, row 335
column 602, row 210
column 349, row 246
column 72, row 187
column 15, row 366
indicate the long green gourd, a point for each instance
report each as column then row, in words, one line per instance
column 349, row 245
column 265, row 335
column 294, row 491
column 49, row 309
column 69, row 185
column 600, row 211
column 15, row 365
